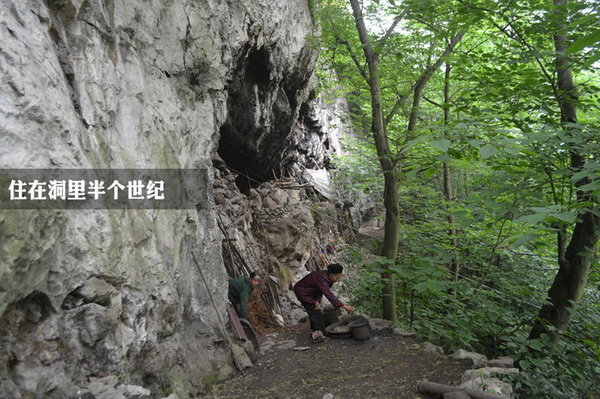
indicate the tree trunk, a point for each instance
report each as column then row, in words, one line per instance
column 574, row 263
column 454, row 266
column 424, row 78
column 389, row 166
column 569, row 283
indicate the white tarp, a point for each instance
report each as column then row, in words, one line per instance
column 319, row 178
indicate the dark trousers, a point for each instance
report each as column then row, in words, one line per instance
column 315, row 316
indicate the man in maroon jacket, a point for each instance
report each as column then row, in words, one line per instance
column 310, row 290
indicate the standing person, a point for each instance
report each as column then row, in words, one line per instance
column 310, row 290
column 240, row 290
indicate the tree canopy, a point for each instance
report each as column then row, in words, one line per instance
column 488, row 111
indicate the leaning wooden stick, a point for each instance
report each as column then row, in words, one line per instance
column 237, row 362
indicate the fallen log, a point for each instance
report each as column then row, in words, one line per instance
column 441, row 389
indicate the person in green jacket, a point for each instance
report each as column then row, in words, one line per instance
column 240, row 290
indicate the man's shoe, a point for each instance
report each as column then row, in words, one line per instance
column 317, row 337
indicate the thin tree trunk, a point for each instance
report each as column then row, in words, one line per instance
column 454, row 266
column 574, row 263
column 391, row 167
column 388, row 165
column 424, row 78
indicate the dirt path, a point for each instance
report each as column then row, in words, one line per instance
column 384, row 367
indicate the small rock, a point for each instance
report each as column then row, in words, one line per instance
column 489, row 385
column 110, row 393
column 488, row 372
column 380, row 325
column 402, row 333
column 102, row 391
column 477, row 358
column 301, row 348
column 286, row 344
column 428, row 347
column 48, row 357
column 266, row 346
column 134, row 391
column 8, row 389
column 505, row 362
column 110, row 381
column 328, row 396
column 84, row 395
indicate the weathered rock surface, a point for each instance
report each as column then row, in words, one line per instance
column 134, row 84
column 477, row 359
column 271, row 231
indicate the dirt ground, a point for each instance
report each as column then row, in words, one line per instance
column 384, row 367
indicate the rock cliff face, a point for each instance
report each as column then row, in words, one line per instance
column 134, row 84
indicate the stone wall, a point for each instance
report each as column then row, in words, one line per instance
column 132, row 84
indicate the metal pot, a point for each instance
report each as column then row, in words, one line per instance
column 360, row 328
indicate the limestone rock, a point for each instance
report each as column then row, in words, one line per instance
column 134, row 392
column 488, row 372
column 505, row 362
column 136, row 85
column 489, row 385
column 489, row 379
column 428, row 347
column 477, row 358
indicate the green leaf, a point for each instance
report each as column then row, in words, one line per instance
column 487, row 151
column 414, row 142
column 537, row 362
column 579, row 175
column 592, row 60
column 586, row 41
column 422, row 287
column 567, row 217
column 524, row 364
column 513, row 150
column 444, row 157
column 536, row 344
column 523, row 238
column 454, row 153
column 429, row 173
column 593, row 186
column 442, row 145
column 529, row 152
column 540, row 209
column 532, row 219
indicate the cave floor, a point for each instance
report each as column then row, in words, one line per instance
column 385, row 366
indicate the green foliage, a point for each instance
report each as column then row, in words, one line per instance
column 571, row 371
column 358, row 176
column 366, row 292
column 492, row 318
column 514, row 188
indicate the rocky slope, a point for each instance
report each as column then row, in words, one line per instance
column 90, row 84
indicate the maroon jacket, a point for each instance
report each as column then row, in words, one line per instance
column 312, row 287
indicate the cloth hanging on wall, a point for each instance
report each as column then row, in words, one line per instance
column 319, row 178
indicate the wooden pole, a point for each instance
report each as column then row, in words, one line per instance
column 237, row 361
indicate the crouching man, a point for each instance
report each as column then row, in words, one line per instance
column 240, row 291
column 310, row 290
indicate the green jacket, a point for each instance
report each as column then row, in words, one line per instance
column 239, row 292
